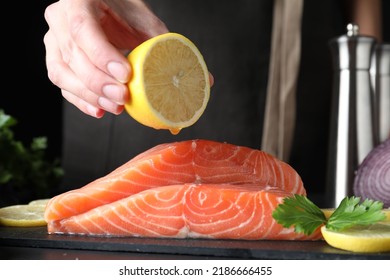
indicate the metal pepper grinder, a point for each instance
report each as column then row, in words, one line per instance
column 353, row 131
column 380, row 71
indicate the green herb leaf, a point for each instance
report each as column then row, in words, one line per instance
column 300, row 212
column 306, row 217
column 351, row 213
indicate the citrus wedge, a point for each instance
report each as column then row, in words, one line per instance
column 360, row 239
column 170, row 84
column 23, row 215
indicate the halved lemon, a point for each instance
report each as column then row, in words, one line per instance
column 170, row 85
column 360, row 239
column 23, row 215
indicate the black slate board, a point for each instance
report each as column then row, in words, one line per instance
column 37, row 237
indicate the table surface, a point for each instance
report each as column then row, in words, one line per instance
column 35, row 243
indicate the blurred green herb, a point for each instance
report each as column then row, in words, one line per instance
column 25, row 170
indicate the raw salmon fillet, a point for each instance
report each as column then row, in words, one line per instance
column 187, row 211
column 194, row 188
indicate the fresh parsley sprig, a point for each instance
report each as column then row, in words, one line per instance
column 300, row 212
column 352, row 213
column 306, row 217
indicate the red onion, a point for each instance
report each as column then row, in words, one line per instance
column 372, row 179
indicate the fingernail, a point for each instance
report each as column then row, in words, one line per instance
column 105, row 103
column 211, row 77
column 108, row 105
column 94, row 112
column 115, row 93
column 118, row 71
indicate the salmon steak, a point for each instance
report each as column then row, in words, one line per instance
column 188, row 189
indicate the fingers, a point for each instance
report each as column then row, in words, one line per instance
column 82, row 82
column 73, row 89
column 91, row 110
column 87, row 33
column 96, row 80
column 82, row 105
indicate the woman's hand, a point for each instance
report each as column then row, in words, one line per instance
column 86, row 47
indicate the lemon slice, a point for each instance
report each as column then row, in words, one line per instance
column 170, row 85
column 328, row 212
column 23, row 215
column 360, row 239
column 42, row 202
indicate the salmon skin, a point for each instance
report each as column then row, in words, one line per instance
column 194, row 188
